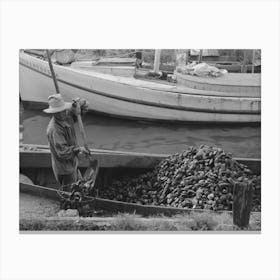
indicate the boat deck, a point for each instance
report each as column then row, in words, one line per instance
column 229, row 79
column 232, row 79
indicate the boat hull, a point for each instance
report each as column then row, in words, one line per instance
column 131, row 98
column 39, row 156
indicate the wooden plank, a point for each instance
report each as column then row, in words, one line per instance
column 116, row 206
column 113, row 206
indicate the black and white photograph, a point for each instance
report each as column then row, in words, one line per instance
column 140, row 140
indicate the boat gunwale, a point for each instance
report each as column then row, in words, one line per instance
column 45, row 148
column 111, row 159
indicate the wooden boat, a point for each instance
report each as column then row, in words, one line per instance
column 111, row 90
column 35, row 163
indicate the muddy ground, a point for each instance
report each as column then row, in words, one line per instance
column 36, row 207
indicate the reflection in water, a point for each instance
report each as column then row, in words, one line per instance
column 117, row 134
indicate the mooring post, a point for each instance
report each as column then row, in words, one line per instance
column 242, row 203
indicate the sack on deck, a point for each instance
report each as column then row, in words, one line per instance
column 201, row 70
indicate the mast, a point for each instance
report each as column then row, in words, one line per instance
column 253, row 60
column 244, row 67
column 181, row 57
column 200, row 56
column 157, row 60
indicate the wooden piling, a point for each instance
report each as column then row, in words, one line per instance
column 242, row 203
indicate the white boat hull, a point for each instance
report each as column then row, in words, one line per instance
column 131, row 98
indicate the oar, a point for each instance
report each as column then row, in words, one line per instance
column 93, row 168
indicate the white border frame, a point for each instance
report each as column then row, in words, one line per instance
column 197, row 24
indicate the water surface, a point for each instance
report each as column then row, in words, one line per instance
column 127, row 135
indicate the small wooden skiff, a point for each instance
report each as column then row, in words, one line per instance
column 35, row 163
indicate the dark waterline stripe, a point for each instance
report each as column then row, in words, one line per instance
column 147, row 103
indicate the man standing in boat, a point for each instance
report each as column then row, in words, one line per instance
column 62, row 138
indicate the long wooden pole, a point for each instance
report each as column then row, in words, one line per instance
column 253, row 61
column 200, row 56
column 52, row 72
column 244, row 67
column 157, row 60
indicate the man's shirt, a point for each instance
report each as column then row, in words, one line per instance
column 62, row 140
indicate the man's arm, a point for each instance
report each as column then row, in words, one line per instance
column 63, row 150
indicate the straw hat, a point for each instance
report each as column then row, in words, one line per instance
column 57, row 104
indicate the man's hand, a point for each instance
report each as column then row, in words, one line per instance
column 84, row 106
column 76, row 108
column 80, row 106
column 83, row 150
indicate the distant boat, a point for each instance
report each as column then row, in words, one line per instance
column 113, row 90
